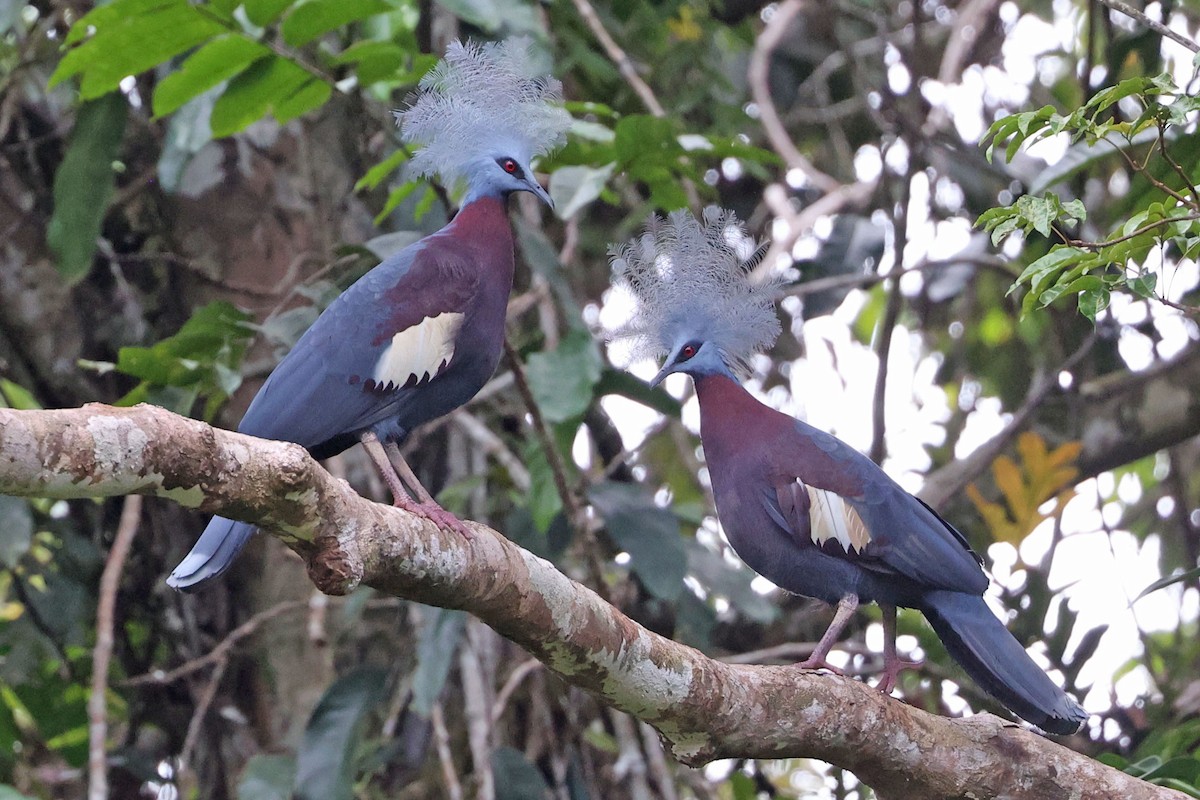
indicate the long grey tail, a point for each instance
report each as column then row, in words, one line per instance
column 212, row 554
column 996, row 661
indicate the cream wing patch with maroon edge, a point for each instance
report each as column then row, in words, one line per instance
column 420, row 351
column 831, row 517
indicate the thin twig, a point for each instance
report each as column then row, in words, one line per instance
column 887, row 326
column 619, row 57
column 757, row 75
column 966, row 470
column 542, row 431
column 657, row 762
column 1154, row 25
column 479, row 720
column 219, row 653
column 494, row 446
column 200, row 712
column 110, row 581
column 519, row 674
column 441, row 740
column 866, row 280
column 630, row 767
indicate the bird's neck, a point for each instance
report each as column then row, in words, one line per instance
column 728, row 411
column 485, row 219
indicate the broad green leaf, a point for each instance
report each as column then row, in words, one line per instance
column 1092, row 302
column 563, row 380
column 16, row 530
column 574, row 187
column 1046, row 267
column 316, row 17
column 311, row 94
column 483, row 14
column 649, row 534
column 203, row 357
column 13, row 395
column 264, row 12
column 620, row 382
column 325, row 762
column 516, row 778
column 270, row 85
column 131, row 37
column 733, row 582
column 544, row 501
column 9, row 793
column 268, row 777
column 83, row 184
column 214, row 62
column 376, row 174
column 441, row 632
column 375, row 61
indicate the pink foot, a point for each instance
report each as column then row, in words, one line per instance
column 444, row 519
column 435, row 514
column 815, row 663
column 891, row 671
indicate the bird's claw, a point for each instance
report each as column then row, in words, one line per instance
column 433, row 512
column 814, row 663
column 444, row 519
column 891, row 672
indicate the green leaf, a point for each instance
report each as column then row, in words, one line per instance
column 83, row 184
column 128, row 37
column 483, row 14
column 620, row 382
column 317, row 17
column 1043, row 269
column 648, row 533
column 214, row 62
column 271, row 84
column 16, row 530
column 1092, row 302
column 563, row 380
column 376, row 174
column 544, row 501
column 574, row 187
column 1169, row 580
column 440, row 634
column 9, row 793
column 264, row 12
column 1143, row 285
column 268, row 777
column 325, row 762
column 516, row 778
column 13, row 395
column 375, row 61
column 203, row 357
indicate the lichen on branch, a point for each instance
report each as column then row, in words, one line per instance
column 704, row 709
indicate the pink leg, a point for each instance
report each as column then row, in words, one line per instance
column 893, row 665
column 845, row 609
column 428, row 507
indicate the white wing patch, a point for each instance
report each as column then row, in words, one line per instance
column 418, row 352
column 831, row 518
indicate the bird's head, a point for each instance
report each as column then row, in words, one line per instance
column 694, row 357
column 693, row 295
column 499, row 173
column 480, row 117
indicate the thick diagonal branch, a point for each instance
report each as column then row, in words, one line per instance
column 703, row 709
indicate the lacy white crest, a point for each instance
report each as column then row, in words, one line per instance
column 481, row 96
column 689, row 280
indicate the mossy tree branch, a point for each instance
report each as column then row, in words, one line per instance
column 703, row 709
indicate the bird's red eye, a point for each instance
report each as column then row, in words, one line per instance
column 688, row 351
column 509, row 166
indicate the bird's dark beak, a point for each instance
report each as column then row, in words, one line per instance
column 662, row 374
column 536, row 189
